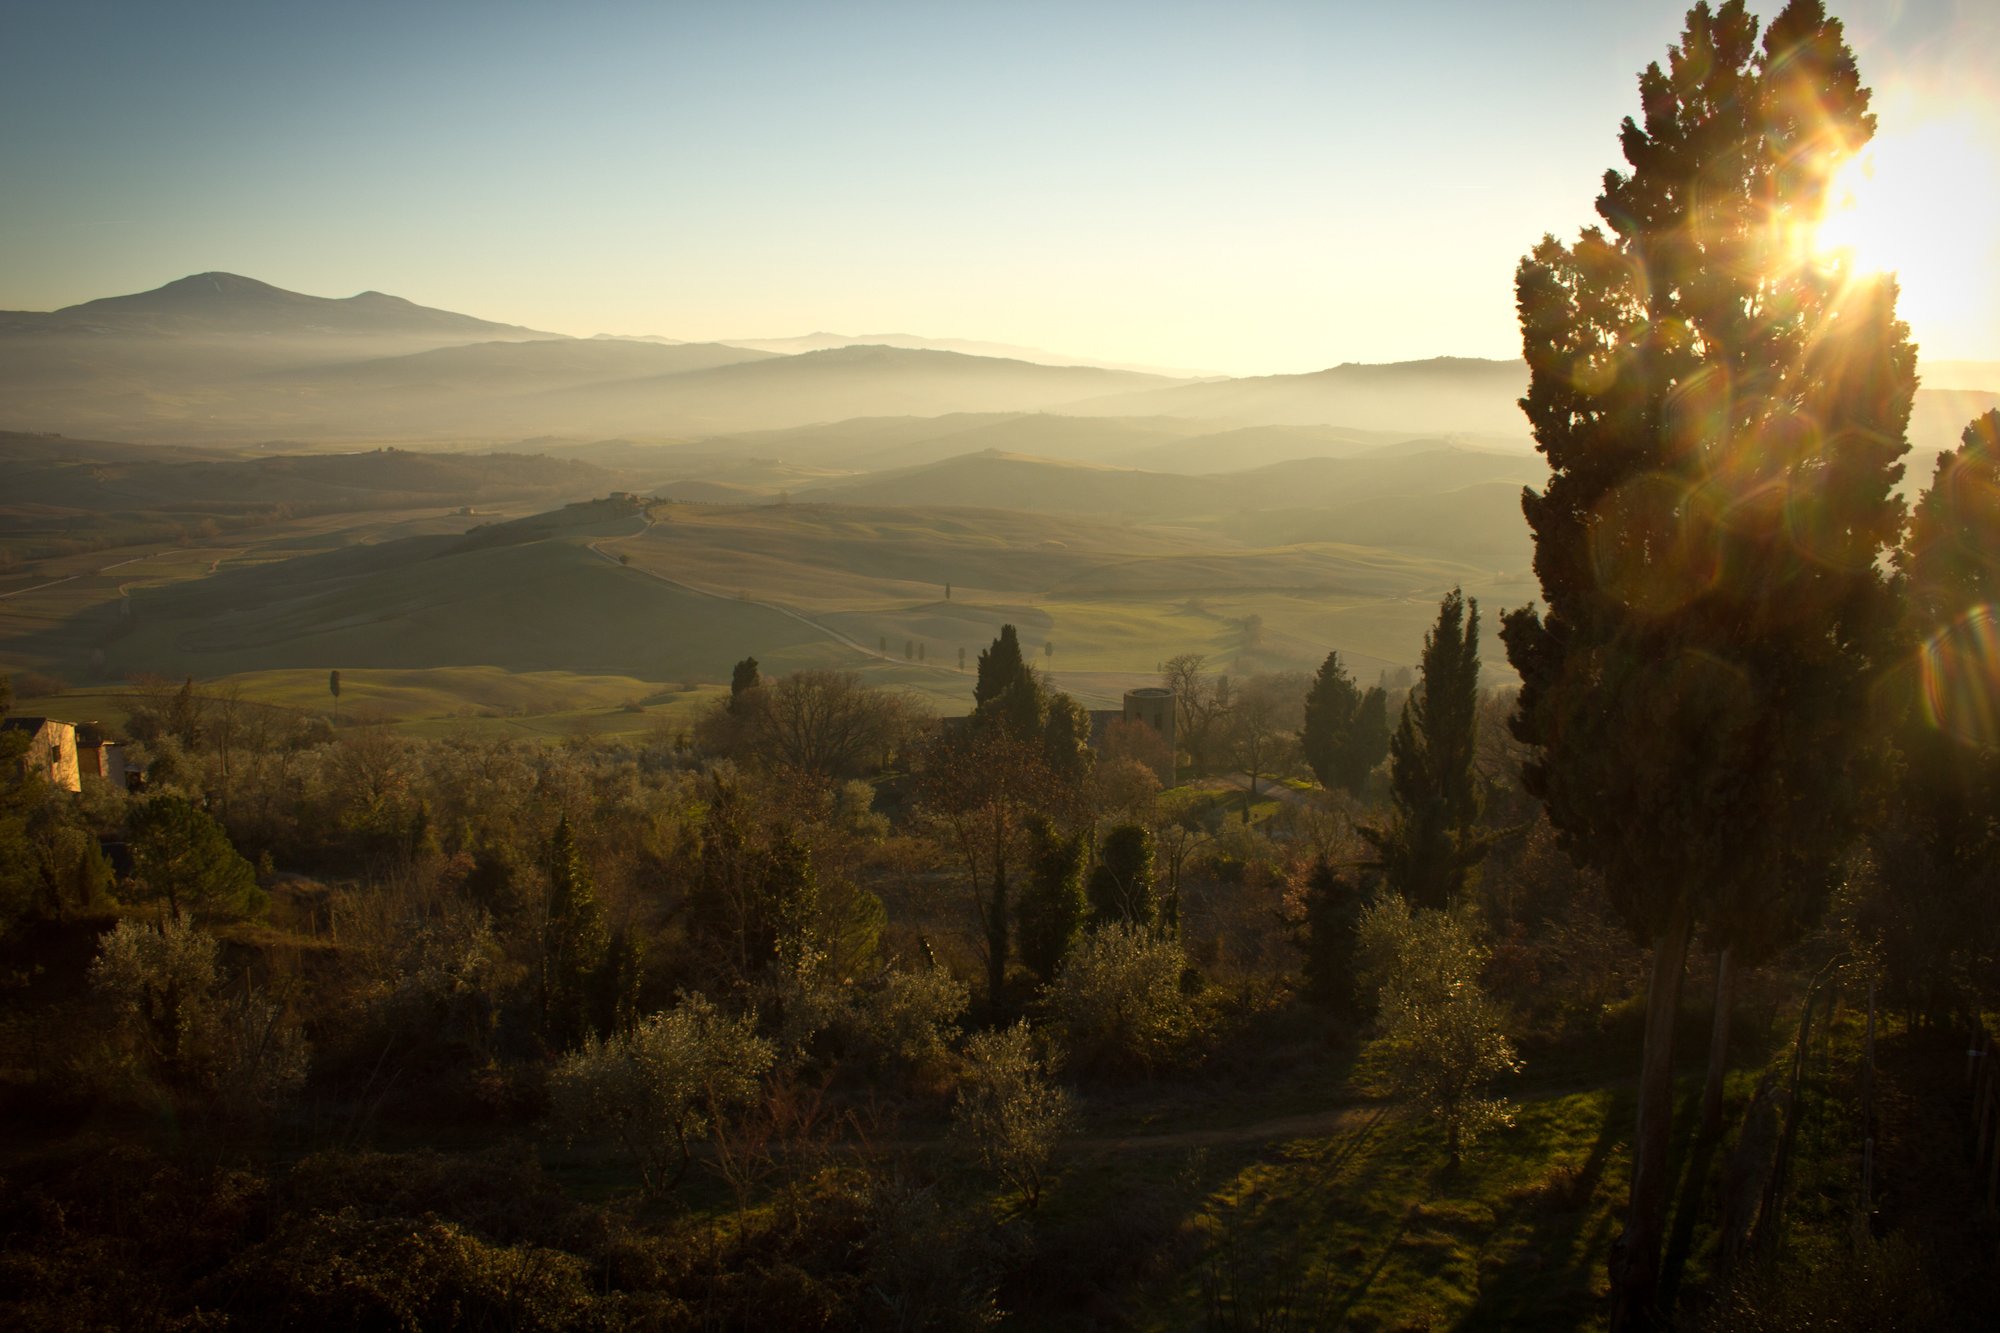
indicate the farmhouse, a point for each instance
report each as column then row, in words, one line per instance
column 51, row 750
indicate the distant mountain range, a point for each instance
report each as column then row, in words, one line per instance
column 225, row 304
column 218, row 359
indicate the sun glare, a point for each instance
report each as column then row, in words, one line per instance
column 1920, row 203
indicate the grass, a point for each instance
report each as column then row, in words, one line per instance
column 1362, row 1227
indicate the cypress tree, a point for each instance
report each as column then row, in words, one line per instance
column 1429, row 844
column 1722, row 412
column 573, row 944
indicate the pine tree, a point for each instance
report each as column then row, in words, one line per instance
column 1430, row 843
column 1722, row 413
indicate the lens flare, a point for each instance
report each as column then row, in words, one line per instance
column 1920, row 202
column 1960, row 668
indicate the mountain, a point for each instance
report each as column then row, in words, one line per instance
column 227, row 304
column 520, row 367
column 1448, row 394
column 830, row 385
column 824, row 342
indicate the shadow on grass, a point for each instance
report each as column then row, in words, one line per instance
column 1697, row 1164
column 1556, row 1262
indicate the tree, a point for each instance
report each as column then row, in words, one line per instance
column 333, row 688
column 663, row 1086
column 1722, row 411
column 1121, row 886
column 743, row 678
column 1441, row 1041
column 1010, row 1109
column 1327, row 924
column 1265, row 720
column 982, row 785
column 1429, row 844
column 575, row 946
column 1929, row 920
column 1001, row 670
column 755, row 895
column 182, row 856
column 1118, row 1000
column 1201, row 702
column 825, row 724
column 1346, row 732
column 1050, row 913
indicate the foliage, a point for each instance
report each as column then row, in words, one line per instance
column 1723, row 414
column 1118, row 1000
column 1201, row 703
column 755, row 892
column 574, row 948
column 1010, row 1109
column 1429, row 846
column 660, row 1087
column 909, row 1017
column 1345, row 733
column 1264, row 720
column 1050, row 912
column 743, row 678
column 1121, row 884
column 186, row 1028
column 183, row 857
column 1327, row 925
column 1442, row 1039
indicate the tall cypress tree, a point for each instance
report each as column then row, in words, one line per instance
column 1722, row 412
column 574, row 943
column 1429, row 844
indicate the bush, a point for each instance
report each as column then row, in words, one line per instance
column 658, row 1089
column 1010, row 1109
column 911, row 1018
column 1442, row 1038
column 185, row 1029
column 1118, row 1001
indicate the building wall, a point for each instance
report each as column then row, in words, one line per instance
column 1153, row 705
column 52, row 754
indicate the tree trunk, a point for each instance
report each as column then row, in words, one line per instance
column 1635, row 1262
column 1718, row 1045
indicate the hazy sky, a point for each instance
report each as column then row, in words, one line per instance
column 1234, row 186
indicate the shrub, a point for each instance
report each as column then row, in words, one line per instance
column 1442, row 1038
column 1118, row 1000
column 187, row 1030
column 1010, row 1109
column 911, row 1018
column 658, row 1089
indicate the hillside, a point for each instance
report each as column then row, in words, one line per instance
column 1443, row 395
column 828, row 385
column 1039, row 485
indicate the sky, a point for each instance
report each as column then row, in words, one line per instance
column 1238, row 187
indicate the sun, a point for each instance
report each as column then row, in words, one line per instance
column 1922, row 203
